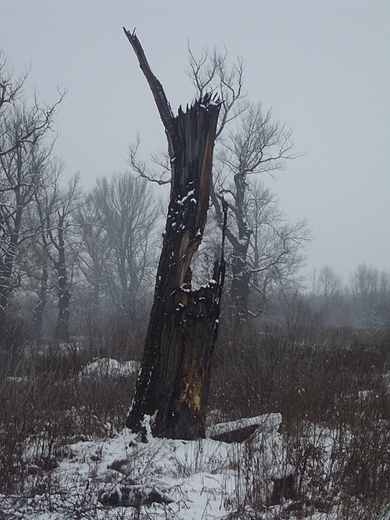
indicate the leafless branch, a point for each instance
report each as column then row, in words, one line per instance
column 140, row 168
column 210, row 73
column 160, row 98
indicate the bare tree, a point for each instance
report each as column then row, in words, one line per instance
column 56, row 208
column 256, row 145
column 93, row 254
column 127, row 213
column 35, row 121
column 383, row 307
column 250, row 143
column 263, row 252
column 210, row 74
column 21, row 175
column 23, row 155
column 291, row 311
column 275, row 250
column 329, row 298
column 329, row 283
column 38, row 283
column 10, row 88
column 174, row 379
column 365, row 283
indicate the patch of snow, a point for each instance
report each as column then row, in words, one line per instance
column 267, row 423
column 12, row 379
column 180, row 202
column 110, row 367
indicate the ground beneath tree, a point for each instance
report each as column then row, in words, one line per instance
column 130, row 476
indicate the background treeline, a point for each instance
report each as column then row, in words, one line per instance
column 66, row 256
column 77, row 271
column 73, row 261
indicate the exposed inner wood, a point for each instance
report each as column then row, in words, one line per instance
column 174, row 378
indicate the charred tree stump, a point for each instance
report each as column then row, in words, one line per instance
column 173, row 383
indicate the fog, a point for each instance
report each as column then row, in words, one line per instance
column 323, row 68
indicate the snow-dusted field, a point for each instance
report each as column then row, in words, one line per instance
column 124, row 478
column 73, row 465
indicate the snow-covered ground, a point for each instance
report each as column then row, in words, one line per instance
column 124, row 478
column 273, row 474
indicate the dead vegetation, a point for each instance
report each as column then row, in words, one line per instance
column 333, row 395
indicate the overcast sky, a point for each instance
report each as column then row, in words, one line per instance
column 322, row 66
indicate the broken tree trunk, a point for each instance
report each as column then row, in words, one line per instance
column 174, row 378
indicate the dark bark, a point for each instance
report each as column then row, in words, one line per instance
column 240, row 271
column 62, row 326
column 41, row 304
column 240, row 285
column 174, row 378
column 7, row 284
column 21, row 160
column 96, row 300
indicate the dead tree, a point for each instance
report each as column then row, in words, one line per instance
column 173, row 383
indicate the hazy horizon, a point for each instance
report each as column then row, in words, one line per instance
column 323, row 68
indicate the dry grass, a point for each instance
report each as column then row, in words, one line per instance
column 331, row 390
column 45, row 404
column 329, row 387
